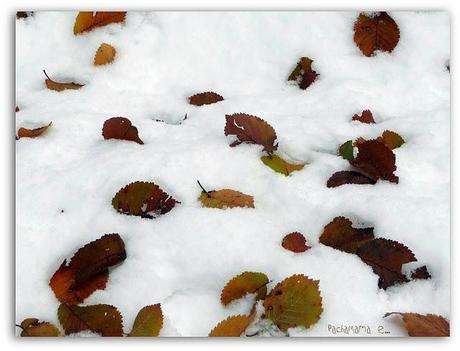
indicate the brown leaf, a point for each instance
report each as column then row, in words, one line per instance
column 386, row 258
column 87, row 21
column 23, row 14
column 295, row 242
column 57, row 86
column 424, row 325
column 366, row 117
column 341, row 235
column 17, row 109
column 32, row 327
column 242, row 284
column 348, row 177
column 120, row 128
column 32, row 133
column 378, row 32
column 232, row 326
column 225, row 198
column 88, row 269
column 102, row 319
column 148, row 322
column 105, row 54
column 252, row 130
column 376, row 161
column 391, row 139
column 144, row 199
column 303, row 73
column 420, row 273
column 206, row 98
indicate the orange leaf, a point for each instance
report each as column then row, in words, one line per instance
column 295, row 242
column 32, row 327
column 120, row 128
column 57, row 86
column 242, row 284
column 424, row 325
column 87, row 21
column 206, row 98
column 105, row 54
column 32, row 133
column 366, row 117
column 225, row 198
column 303, row 73
column 232, row 326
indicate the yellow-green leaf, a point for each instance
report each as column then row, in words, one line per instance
column 391, row 139
column 232, row 326
column 279, row 165
column 148, row 322
column 245, row 283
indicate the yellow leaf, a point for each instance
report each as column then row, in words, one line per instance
column 105, row 54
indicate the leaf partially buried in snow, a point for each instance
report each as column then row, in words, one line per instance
column 105, row 320
column 32, row 327
column 346, row 150
column 341, row 235
column 424, row 325
column 87, row 21
column 391, row 139
column 376, row 32
column 105, row 54
column 279, row 165
column 295, row 242
column 303, row 73
column 242, row 284
column 252, row 130
column 120, row 128
column 88, row 269
column 366, row 117
column 232, row 326
column 32, row 133
column 144, row 199
column 148, row 322
column 58, row 86
column 206, row 98
column 386, row 258
column 420, row 273
column 225, row 198
column 348, row 177
column 296, row 301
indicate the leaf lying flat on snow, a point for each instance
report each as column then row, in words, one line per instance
column 57, row 86
column 120, row 128
column 87, row 21
column 424, row 325
column 366, row 117
column 252, row 130
column 102, row 319
column 295, row 242
column 232, row 326
column 206, row 98
column 378, row 32
column 144, row 199
column 224, row 198
column 279, row 165
column 296, row 301
column 32, row 327
column 105, row 54
column 303, row 73
column 148, row 322
column 348, row 177
column 242, row 284
column 32, row 133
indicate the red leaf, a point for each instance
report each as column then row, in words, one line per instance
column 366, row 117
column 348, row 177
column 420, row 273
column 120, row 128
column 206, row 98
column 303, row 73
column 424, row 325
column 295, row 242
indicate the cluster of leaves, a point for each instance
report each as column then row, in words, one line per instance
column 296, row 301
column 303, row 74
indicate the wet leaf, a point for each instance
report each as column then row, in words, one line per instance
column 252, row 130
column 87, row 21
column 295, row 242
column 424, row 325
column 303, row 73
column 32, row 133
column 58, row 86
column 105, row 54
column 346, row 150
column 148, row 322
column 242, row 284
column 206, row 98
column 348, row 177
column 32, row 327
column 144, row 199
column 341, row 235
column 391, row 139
column 232, row 326
column 279, row 165
column 366, row 117
column 105, row 320
column 420, row 273
column 120, row 128
column 377, row 32
column 296, row 301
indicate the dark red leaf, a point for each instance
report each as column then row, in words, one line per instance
column 348, row 177
column 206, row 98
column 366, row 117
column 120, row 128
column 295, row 242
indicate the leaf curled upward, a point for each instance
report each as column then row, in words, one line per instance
column 391, row 139
column 252, row 130
column 105, row 54
column 295, row 242
column 233, row 326
column 148, row 322
column 120, row 128
column 32, row 133
column 280, row 165
column 303, row 74
column 58, row 86
column 32, row 327
column 242, row 284
column 424, row 325
column 377, row 32
column 225, row 198
column 87, row 21
column 206, row 98
column 366, row 117
column 341, row 235
column 348, row 177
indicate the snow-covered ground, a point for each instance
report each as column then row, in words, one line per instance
column 184, row 258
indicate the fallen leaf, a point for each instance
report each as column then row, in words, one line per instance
column 420, row 273
column 348, row 177
column 144, row 199
column 295, row 242
column 32, row 327
column 32, row 133
column 391, row 139
column 303, row 74
column 24, row 14
column 366, row 117
column 341, row 235
column 148, row 322
column 386, row 258
column 87, row 21
column 279, row 165
column 242, row 284
column 57, row 86
column 105, row 54
column 376, row 161
column 206, row 98
column 232, row 326
column 377, row 32
column 17, row 109
column 346, row 150
column 120, row 128
column 225, row 198
column 296, row 301
column 105, row 320
column 252, row 130
column 359, row 141
column 424, row 325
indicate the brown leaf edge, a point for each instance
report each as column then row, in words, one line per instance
column 32, row 133
column 206, row 98
column 58, row 86
column 429, row 325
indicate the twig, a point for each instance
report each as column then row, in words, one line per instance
column 201, row 186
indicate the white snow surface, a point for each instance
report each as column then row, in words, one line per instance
column 184, row 258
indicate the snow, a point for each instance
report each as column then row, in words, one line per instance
column 183, row 258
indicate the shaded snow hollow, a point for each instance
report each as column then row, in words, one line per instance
column 184, row 258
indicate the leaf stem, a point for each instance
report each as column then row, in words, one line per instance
column 46, row 75
column 201, row 186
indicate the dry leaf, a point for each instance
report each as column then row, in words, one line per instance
column 232, row 326
column 120, row 128
column 225, row 198
column 105, row 54
column 303, row 74
column 391, row 139
column 420, row 273
column 424, row 325
column 87, row 21
column 366, row 117
column 148, row 322
column 32, row 133
column 279, row 165
column 348, row 177
column 295, row 242
column 206, row 98
column 57, row 86
column 32, row 327
column 242, row 284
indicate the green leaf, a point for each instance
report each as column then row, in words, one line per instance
column 279, row 165
column 346, row 150
column 148, row 322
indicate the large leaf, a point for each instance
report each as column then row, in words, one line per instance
column 303, row 73
column 148, row 322
column 87, row 21
column 242, row 284
column 280, row 165
column 424, row 325
column 206, row 98
column 232, row 326
column 120, row 128
column 32, row 327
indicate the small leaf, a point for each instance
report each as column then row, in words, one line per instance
column 279, row 165
column 206, row 98
column 420, row 273
column 245, row 283
column 424, row 325
column 252, row 130
column 32, row 133
column 391, row 139
column 377, row 32
column 296, row 301
column 57, row 86
column 87, row 21
column 366, row 117
column 386, row 258
column 295, row 242
column 341, row 235
column 303, row 73
column 148, row 322
column 348, row 177
column 24, row 14
column 105, row 54
column 232, row 326
column 225, row 198
column 102, row 319
column 144, row 199
column 120, row 128
column 32, row 327
column 17, row 109
column 346, row 150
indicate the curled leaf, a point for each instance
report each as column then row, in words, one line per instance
column 424, row 325
column 32, row 327
column 366, row 117
column 348, row 177
column 280, row 165
column 148, row 322
column 242, row 284
column 32, row 133
column 120, row 128
column 303, row 74
column 87, row 21
column 57, row 86
column 420, row 273
column 295, row 242
column 105, row 54
column 206, row 98
column 232, row 326
column 346, row 150
column 391, row 139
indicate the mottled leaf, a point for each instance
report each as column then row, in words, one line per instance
column 424, row 325
column 32, row 133
column 242, row 284
column 225, row 198
column 232, row 326
column 120, row 128
column 280, row 165
column 58, row 86
column 303, row 73
column 105, row 54
column 148, row 322
column 206, row 98
column 346, row 150
column 32, row 327
column 348, row 177
column 366, row 117
column 420, row 273
column 295, row 242
column 87, row 21
column 391, row 139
